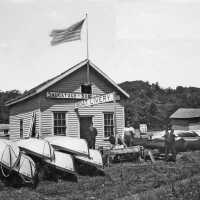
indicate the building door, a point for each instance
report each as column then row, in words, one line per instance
column 84, row 125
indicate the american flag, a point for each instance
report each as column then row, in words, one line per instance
column 69, row 34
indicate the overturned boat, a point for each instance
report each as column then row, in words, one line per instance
column 63, row 163
column 9, row 154
column 38, row 148
column 95, row 158
column 26, row 168
column 75, row 146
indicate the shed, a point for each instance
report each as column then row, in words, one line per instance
column 186, row 119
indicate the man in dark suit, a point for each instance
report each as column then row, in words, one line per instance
column 92, row 136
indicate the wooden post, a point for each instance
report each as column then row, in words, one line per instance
column 115, row 118
column 87, row 44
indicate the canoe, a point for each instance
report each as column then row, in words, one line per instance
column 9, row 154
column 95, row 158
column 63, row 162
column 75, row 146
column 36, row 147
column 26, row 167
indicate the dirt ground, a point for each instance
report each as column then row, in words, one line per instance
column 139, row 181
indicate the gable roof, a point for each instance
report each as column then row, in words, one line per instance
column 38, row 89
column 186, row 113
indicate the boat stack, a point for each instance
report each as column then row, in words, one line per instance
column 61, row 155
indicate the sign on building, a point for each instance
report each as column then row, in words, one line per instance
column 95, row 100
column 143, row 128
column 67, row 95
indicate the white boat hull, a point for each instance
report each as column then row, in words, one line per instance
column 9, row 153
column 94, row 160
column 75, row 146
column 26, row 167
column 36, row 147
column 63, row 162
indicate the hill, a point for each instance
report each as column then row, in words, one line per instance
column 5, row 96
column 151, row 104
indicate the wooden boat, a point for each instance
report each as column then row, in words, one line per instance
column 95, row 158
column 75, row 146
column 26, row 168
column 63, row 162
column 9, row 154
column 38, row 148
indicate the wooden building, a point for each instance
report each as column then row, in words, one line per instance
column 4, row 130
column 66, row 104
column 186, row 119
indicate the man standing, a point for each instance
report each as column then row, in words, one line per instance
column 170, row 144
column 92, row 136
column 129, row 134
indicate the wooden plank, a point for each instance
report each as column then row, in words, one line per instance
column 151, row 156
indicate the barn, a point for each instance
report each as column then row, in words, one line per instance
column 68, row 103
column 186, row 119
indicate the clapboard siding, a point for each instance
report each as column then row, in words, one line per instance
column 26, row 106
column 24, row 111
column 72, row 119
column 26, row 117
column 73, row 82
column 194, row 126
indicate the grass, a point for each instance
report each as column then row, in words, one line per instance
column 122, row 181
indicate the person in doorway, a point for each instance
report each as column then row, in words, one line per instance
column 92, row 136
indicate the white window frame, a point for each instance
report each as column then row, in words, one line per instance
column 21, row 128
column 65, row 118
column 113, row 125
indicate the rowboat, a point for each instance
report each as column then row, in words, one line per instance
column 26, row 168
column 75, row 146
column 95, row 158
column 39, row 148
column 9, row 154
column 63, row 162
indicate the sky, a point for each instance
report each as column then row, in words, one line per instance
column 149, row 40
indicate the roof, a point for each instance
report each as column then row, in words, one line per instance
column 4, row 126
column 40, row 88
column 185, row 113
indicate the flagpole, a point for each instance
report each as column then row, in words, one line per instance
column 88, row 66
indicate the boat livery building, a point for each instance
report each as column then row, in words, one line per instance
column 68, row 103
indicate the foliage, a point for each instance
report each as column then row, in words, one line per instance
column 151, row 104
column 148, row 103
column 5, row 96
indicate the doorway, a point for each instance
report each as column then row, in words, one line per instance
column 84, row 125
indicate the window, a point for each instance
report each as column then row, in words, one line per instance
column 86, row 89
column 108, row 124
column 59, row 123
column 6, row 132
column 21, row 128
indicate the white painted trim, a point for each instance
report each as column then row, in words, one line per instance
column 40, row 123
column 66, row 121
column 67, row 124
column 52, row 123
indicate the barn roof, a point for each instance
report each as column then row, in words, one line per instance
column 38, row 89
column 186, row 113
